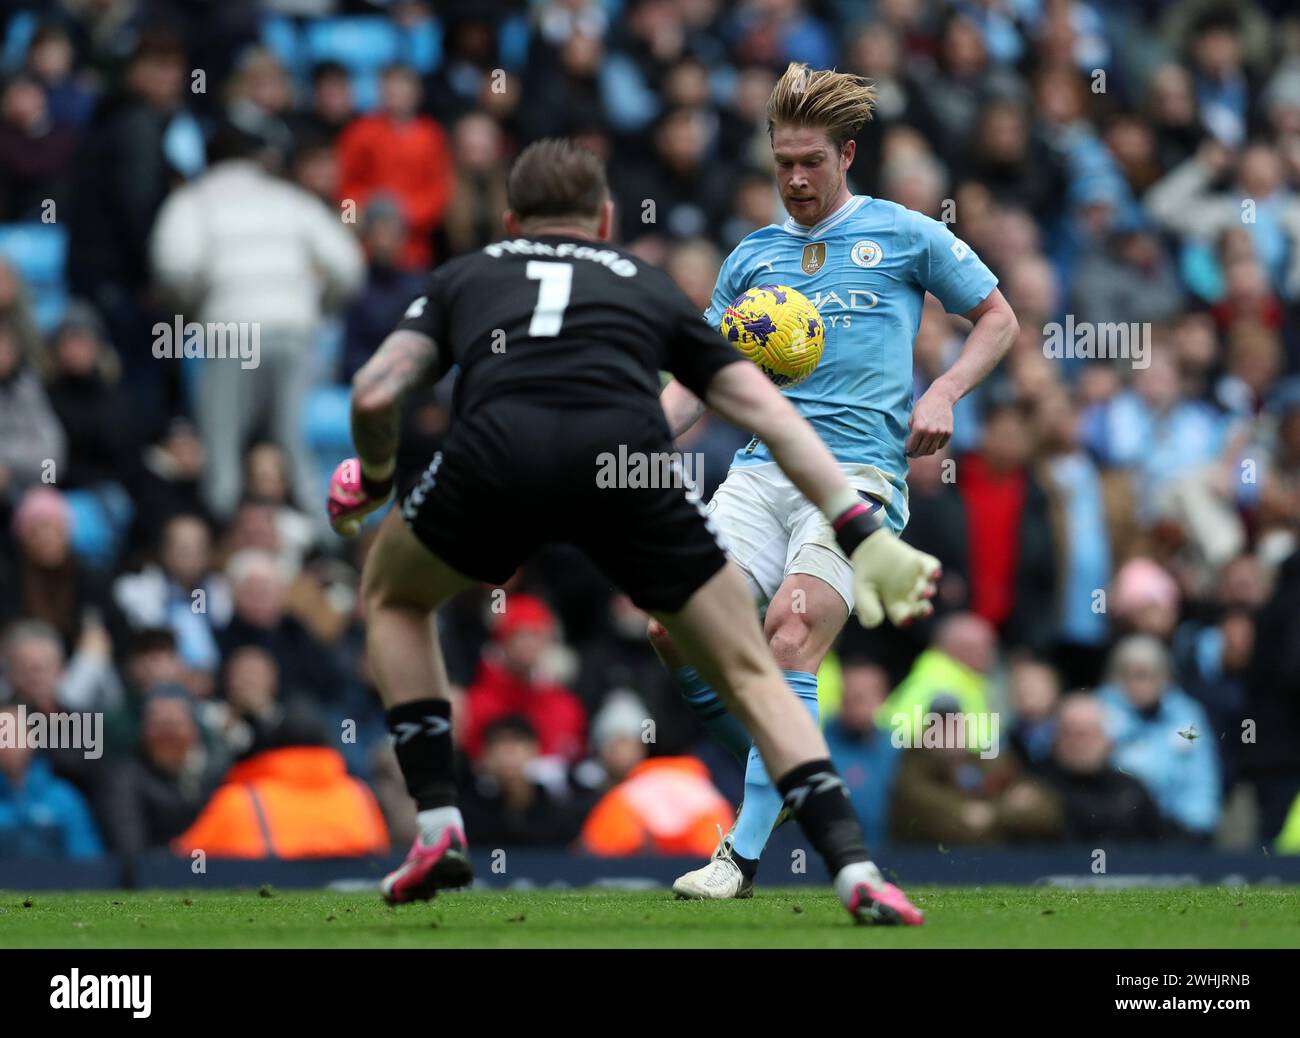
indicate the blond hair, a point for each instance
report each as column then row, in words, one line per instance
column 839, row 102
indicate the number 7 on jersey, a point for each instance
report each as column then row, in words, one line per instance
column 552, row 296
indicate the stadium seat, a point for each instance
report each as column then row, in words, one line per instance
column 362, row 44
column 358, row 42
column 38, row 252
column 327, row 428
column 100, row 519
column 513, row 42
column 422, row 46
column 281, row 36
column 326, row 424
column 365, row 90
column 17, row 38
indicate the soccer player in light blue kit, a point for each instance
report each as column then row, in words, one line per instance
column 866, row 264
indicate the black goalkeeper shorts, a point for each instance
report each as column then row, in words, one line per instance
column 513, row 476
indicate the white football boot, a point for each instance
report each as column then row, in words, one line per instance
column 719, row 880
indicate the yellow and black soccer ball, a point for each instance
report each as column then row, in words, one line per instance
column 777, row 328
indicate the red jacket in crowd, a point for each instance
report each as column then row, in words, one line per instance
column 556, row 714
column 995, row 503
column 412, row 162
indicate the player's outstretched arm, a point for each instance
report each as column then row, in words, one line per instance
column 995, row 329
column 890, row 577
column 681, row 407
column 404, row 360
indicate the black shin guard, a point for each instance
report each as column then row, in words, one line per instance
column 816, row 794
column 422, row 740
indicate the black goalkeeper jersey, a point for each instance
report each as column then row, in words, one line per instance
column 563, row 322
column 559, row 342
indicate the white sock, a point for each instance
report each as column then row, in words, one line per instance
column 433, row 821
column 851, row 875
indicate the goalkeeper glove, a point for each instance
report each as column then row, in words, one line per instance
column 890, row 578
column 354, row 495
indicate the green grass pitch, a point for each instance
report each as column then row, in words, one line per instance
column 988, row 917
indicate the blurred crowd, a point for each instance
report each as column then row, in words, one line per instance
column 1119, row 535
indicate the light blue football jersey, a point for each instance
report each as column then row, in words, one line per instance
column 866, row 267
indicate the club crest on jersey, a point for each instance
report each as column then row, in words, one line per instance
column 866, row 253
column 814, row 257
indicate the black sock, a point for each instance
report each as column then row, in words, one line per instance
column 815, row 793
column 422, row 740
column 748, row 866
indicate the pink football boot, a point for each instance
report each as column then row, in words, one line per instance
column 429, row 868
column 869, row 899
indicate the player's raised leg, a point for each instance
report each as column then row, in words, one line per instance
column 718, row 632
column 699, row 695
column 403, row 585
column 801, row 624
column 749, row 528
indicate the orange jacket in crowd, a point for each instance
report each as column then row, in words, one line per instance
column 666, row 805
column 297, row 802
column 410, row 161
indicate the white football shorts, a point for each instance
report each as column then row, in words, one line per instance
column 770, row 530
